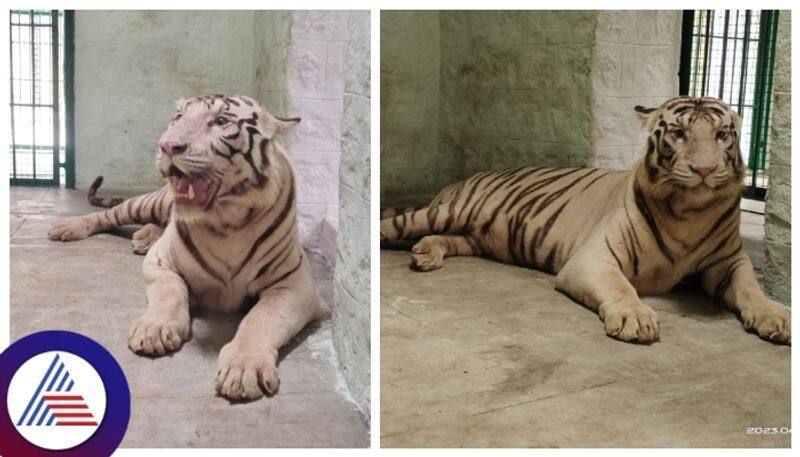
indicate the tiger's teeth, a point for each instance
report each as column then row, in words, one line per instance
column 191, row 192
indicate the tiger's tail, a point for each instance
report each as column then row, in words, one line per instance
column 104, row 202
column 416, row 223
column 388, row 213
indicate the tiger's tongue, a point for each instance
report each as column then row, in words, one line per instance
column 183, row 184
column 193, row 191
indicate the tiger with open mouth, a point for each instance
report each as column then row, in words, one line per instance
column 221, row 233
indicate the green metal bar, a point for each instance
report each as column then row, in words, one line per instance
column 33, row 93
column 55, row 97
column 763, row 94
column 13, row 125
column 769, row 64
column 733, row 62
column 706, row 50
column 757, row 104
column 724, row 53
column 745, row 52
column 33, row 13
column 28, row 146
column 31, row 105
column 684, row 73
column 31, row 25
column 31, row 182
column 69, row 98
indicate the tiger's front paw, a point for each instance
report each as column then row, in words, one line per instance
column 630, row 321
column 427, row 255
column 772, row 322
column 157, row 333
column 246, row 372
column 70, row 229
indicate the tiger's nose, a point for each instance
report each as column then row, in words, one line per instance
column 172, row 148
column 703, row 171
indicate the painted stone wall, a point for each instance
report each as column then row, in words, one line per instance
column 409, row 104
column 314, row 92
column 635, row 62
column 777, row 269
column 272, row 33
column 351, row 312
column 130, row 68
column 514, row 90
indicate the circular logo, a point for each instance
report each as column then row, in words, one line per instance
column 65, row 395
column 58, row 398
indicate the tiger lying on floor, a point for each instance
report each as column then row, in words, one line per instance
column 612, row 235
column 229, row 224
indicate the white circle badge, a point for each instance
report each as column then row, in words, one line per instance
column 56, row 400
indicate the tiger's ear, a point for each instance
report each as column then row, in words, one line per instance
column 645, row 114
column 737, row 123
column 180, row 103
column 285, row 125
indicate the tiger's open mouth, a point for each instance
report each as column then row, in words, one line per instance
column 195, row 190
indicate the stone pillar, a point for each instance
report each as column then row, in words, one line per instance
column 300, row 73
column 777, row 212
column 514, row 90
column 351, row 310
column 635, row 62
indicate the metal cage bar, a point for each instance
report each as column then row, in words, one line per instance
column 36, row 81
column 734, row 62
column 69, row 99
column 56, row 109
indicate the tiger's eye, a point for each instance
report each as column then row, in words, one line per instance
column 679, row 134
column 721, row 135
column 220, row 121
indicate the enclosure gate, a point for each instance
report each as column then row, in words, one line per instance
column 42, row 95
column 729, row 54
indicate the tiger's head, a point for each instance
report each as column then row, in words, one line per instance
column 692, row 147
column 216, row 150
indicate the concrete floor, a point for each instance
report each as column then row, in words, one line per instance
column 95, row 287
column 480, row 354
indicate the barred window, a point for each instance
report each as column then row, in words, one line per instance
column 729, row 54
column 40, row 118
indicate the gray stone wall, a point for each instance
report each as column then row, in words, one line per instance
column 514, row 90
column 777, row 268
column 130, row 68
column 313, row 61
column 272, row 35
column 409, row 104
column 635, row 62
column 351, row 312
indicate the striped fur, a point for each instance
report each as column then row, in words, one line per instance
column 222, row 233
column 613, row 235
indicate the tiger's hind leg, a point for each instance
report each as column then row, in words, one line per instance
column 144, row 238
column 429, row 253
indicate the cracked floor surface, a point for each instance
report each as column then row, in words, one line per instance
column 95, row 287
column 480, row 354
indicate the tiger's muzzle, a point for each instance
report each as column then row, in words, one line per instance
column 192, row 189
